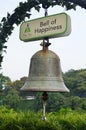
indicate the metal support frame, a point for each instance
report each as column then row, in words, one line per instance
column 45, row 42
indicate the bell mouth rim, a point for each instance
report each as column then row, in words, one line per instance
column 47, row 86
column 42, row 90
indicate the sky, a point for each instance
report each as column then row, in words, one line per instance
column 70, row 49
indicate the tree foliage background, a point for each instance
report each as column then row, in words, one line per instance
column 23, row 11
column 75, row 80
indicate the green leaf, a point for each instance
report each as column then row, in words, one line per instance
column 27, row 15
column 3, row 19
column 37, row 7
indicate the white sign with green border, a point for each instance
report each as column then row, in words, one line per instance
column 57, row 25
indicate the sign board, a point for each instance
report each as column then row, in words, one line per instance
column 51, row 26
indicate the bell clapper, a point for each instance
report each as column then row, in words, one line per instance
column 44, row 98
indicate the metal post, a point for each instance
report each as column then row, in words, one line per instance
column 44, row 110
column 44, row 98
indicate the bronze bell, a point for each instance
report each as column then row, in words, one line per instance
column 45, row 73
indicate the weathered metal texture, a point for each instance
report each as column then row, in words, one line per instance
column 45, row 73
